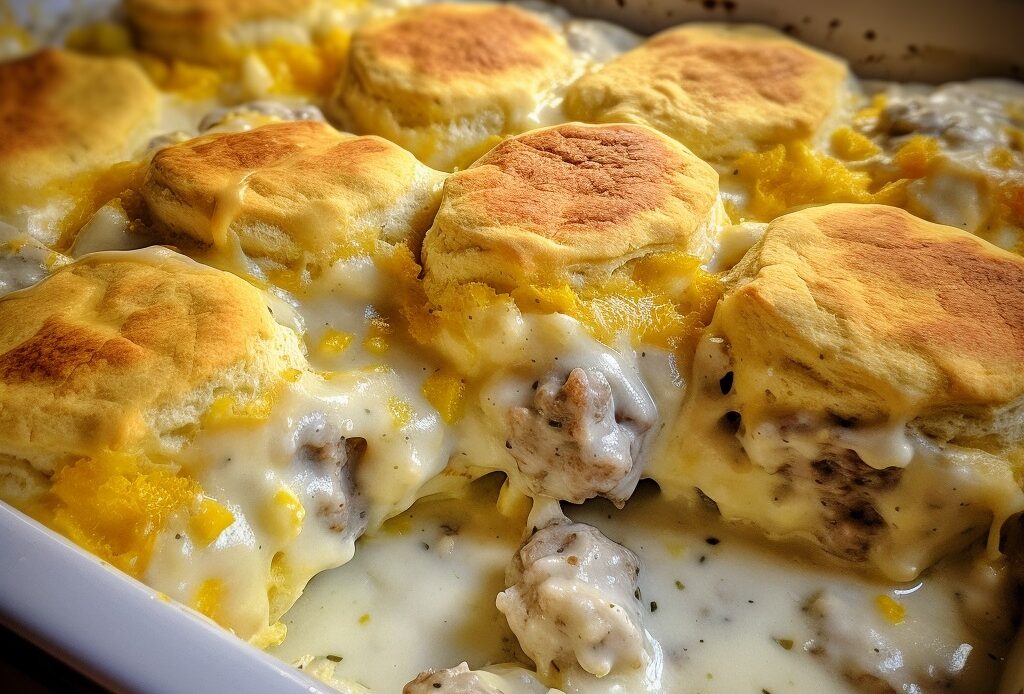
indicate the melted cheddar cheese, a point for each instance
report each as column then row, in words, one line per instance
column 790, row 175
column 662, row 300
column 116, row 505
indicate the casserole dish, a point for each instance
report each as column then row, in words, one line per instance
column 26, row 541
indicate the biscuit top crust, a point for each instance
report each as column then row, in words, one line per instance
column 719, row 89
column 577, row 180
column 447, row 81
column 456, row 41
column 870, row 312
column 571, row 199
column 444, row 64
column 298, row 192
column 123, row 347
column 64, row 114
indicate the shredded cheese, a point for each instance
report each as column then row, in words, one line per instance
column 210, row 521
column 115, row 505
column 445, row 392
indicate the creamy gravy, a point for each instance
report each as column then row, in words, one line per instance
column 732, row 613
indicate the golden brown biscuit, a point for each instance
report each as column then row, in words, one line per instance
column 862, row 383
column 129, row 348
column 299, row 194
column 208, row 31
column 719, row 89
column 896, row 314
column 445, row 80
column 572, row 202
column 64, row 119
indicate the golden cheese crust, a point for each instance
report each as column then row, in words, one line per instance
column 299, row 193
column 719, row 89
column 64, row 115
column 441, row 80
column 129, row 348
column 570, row 201
column 198, row 30
column 868, row 313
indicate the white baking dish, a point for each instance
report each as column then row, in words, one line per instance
column 118, row 631
column 129, row 638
